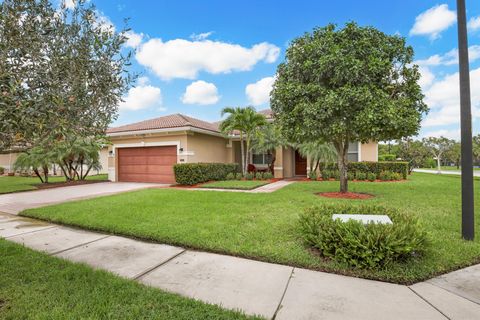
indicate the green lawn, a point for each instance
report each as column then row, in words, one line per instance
column 264, row 226
column 14, row 184
column 37, row 286
column 235, row 184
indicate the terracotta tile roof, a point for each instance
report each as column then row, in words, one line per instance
column 268, row 113
column 171, row 121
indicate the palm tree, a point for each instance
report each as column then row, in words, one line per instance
column 317, row 152
column 267, row 139
column 37, row 159
column 246, row 121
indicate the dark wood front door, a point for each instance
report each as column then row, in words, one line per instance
column 147, row 164
column 300, row 165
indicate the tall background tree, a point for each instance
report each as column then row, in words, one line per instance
column 438, row 147
column 63, row 72
column 346, row 85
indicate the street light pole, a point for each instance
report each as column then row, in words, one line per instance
column 468, row 231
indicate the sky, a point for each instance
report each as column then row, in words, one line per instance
column 196, row 57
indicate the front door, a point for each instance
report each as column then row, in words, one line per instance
column 300, row 165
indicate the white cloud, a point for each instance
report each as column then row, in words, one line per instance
column 182, row 58
column 474, row 23
column 69, row 4
column 259, row 92
column 433, row 21
column 450, row 58
column 200, row 92
column 443, row 97
column 450, row 134
column 133, row 39
column 142, row 96
column 104, row 22
column 427, row 77
column 201, row 36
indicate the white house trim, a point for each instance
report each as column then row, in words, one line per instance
column 359, row 151
column 164, row 130
column 149, row 144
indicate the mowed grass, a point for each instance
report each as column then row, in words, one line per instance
column 265, row 226
column 235, row 184
column 37, row 286
column 15, row 184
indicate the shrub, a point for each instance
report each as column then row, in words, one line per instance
column 193, row 173
column 259, row 175
column 396, row 176
column 350, row 175
column 238, row 176
column 360, row 175
column 387, row 157
column 230, row 176
column 249, row 176
column 312, row 175
column 2, row 171
column 268, row 175
column 374, row 167
column 372, row 176
column 362, row 245
column 385, row 176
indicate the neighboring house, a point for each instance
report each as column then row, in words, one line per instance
column 146, row 151
column 8, row 159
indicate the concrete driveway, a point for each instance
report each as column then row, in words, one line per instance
column 13, row 203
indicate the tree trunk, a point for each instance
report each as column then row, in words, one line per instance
column 45, row 173
column 342, row 150
column 242, row 151
column 247, row 152
column 439, row 166
column 272, row 163
column 38, row 174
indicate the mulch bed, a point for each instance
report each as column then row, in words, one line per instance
column 65, row 184
column 346, row 195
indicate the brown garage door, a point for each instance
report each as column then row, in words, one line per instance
column 147, row 164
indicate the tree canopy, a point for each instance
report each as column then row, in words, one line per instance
column 63, row 72
column 345, row 85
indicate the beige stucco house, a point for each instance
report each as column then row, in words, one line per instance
column 146, row 151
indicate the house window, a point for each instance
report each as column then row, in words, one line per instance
column 353, row 152
column 261, row 158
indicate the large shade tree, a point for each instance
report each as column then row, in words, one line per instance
column 438, row 147
column 62, row 72
column 346, row 85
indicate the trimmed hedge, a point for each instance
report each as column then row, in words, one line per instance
column 367, row 167
column 193, row 173
column 2, row 171
column 366, row 246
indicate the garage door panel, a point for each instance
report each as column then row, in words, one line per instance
column 147, row 164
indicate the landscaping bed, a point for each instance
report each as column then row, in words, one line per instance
column 235, row 184
column 37, row 286
column 265, row 226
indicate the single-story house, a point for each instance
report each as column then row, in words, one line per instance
column 146, row 151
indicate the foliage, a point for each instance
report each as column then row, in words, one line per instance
column 77, row 157
column 246, row 122
column 438, row 147
column 385, row 175
column 317, row 152
column 238, row 176
column 249, row 176
column 230, row 176
column 312, row 175
column 268, row 175
column 349, row 84
column 267, row 139
column 371, row 167
column 371, row 176
column 387, row 157
column 2, row 171
column 193, row 173
column 414, row 152
column 396, row 176
column 454, row 154
column 63, row 72
column 38, row 159
column 476, row 148
column 359, row 175
column 367, row 246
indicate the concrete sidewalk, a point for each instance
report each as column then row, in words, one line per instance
column 271, row 290
column 268, row 188
column 476, row 173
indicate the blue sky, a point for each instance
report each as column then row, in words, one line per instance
column 195, row 57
